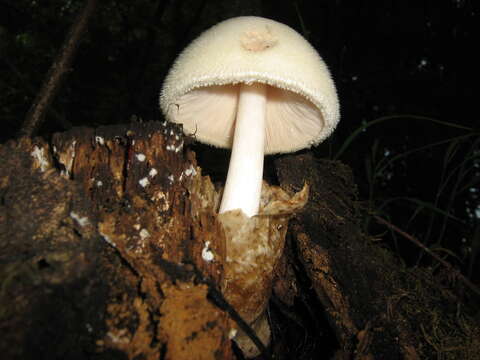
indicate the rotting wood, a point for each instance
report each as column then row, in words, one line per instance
column 145, row 203
column 67, row 290
column 153, row 221
column 378, row 308
column 161, row 212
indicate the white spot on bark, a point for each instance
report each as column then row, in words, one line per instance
column 144, row 234
column 82, row 221
column 144, row 182
column 176, row 149
column 141, row 157
column 207, row 254
column 190, row 171
column 153, row 172
column 232, row 333
column 39, row 155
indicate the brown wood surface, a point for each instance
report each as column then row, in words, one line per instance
column 102, row 233
column 378, row 308
column 104, row 241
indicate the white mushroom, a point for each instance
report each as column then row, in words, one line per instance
column 256, row 86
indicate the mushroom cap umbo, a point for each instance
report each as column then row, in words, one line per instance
column 201, row 89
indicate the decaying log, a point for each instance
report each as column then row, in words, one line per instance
column 97, row 246
column 49, row 256
column 377, row 308
column 140, row 224
column 111, row 248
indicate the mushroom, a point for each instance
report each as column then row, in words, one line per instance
column 256, row 86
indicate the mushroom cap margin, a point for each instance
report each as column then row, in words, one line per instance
column 201, row 89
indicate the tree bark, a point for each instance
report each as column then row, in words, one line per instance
column 378, row 308
column 103, row 233
column 57, row 72
column 110, row 248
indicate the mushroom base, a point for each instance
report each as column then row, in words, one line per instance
column 254, row 246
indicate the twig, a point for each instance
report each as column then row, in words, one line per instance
column 467, row 282
column 216, row 297
column 31, row 90
column 181, row 272
column 57, row 71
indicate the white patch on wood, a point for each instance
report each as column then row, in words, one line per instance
column 144, row 182
column 82, row 221
column 153, row 172
column 207, row 253
column 144, row 234
column 190, row 171
column 39, row 155
column 100, row 140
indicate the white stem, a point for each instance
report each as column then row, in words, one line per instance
column 245, row 172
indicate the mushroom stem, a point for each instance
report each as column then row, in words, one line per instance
column 245, row 172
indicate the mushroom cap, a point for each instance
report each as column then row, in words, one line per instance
column 201, row 89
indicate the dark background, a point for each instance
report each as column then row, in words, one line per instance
column 404, row 71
